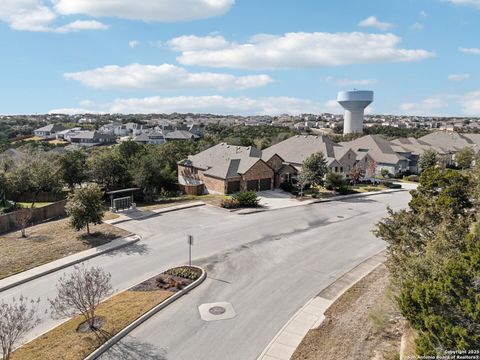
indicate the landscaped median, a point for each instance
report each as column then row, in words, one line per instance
column 117, row 316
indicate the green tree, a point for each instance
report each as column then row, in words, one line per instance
column 315, row 168
column 130, row 149
column 428, row 159
column 433, row 258
column 73, row 168
column 151, row 173
column 107, row 169
column 336, row 182
column 464, row 157
column 85, row 206
column 384, row 172
column 3, row 189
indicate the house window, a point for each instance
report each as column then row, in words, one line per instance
column 348, row 156
column 336, row 169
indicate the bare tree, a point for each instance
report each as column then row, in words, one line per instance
column 80, row 293
column 22, row 218
column 16, row 319
column 356, row 174
column 371, row 170
column 302, row 181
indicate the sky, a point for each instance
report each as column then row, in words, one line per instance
column 245, row 57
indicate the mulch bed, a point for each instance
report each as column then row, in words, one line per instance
column 166, row 282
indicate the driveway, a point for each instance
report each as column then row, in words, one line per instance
column 277, row 199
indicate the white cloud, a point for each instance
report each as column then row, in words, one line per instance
column 470, row 103
column 148, row 10
column 434, row 105
column 295, row 50
column 372, row 21
column 474, row 3
column 193, row 42
column 133, row 43
column 80, row 25
column 163, row 77
column 33, row 15
column 423, row 14
column 417, row 26
column 471, row 51
column 211, row 104
column 458, row 77
column 350, row 82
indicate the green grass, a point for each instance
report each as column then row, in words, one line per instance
column 37, row 204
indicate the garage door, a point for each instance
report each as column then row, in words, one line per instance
column 265, row 184
column 252, row 185
column 233, row 187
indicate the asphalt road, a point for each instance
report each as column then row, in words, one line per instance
column 267, row 265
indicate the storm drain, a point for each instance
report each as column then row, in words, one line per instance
column 216, row 311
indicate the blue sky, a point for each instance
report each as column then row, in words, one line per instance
column 239, row 57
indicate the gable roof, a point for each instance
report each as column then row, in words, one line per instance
column 51, row 128
column 379, row 148
column 297, row 148
column 224, row 161
column 180, row 135
column 451, row 140
column 415, row 146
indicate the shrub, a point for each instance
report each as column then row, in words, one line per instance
column 286, row 186
column 246, row 198
column 229, row 203
column 184, row 272
column 414, row 178
column 336, row 182
column 391, row 185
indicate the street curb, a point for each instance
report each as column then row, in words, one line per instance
column 353, row 196
column 135, row 238
column 122, row 333
column 319, row 201
column 158, row 212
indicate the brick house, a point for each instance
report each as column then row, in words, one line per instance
column 226, row 169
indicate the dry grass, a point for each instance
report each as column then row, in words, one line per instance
column 409, row 343
column 362, row 324
column 64, row 342
column 48, row 242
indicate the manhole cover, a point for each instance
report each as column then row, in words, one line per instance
column 216, row 310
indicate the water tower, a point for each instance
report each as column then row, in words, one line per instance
column 354, row 102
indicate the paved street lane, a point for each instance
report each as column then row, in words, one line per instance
column 266, row 264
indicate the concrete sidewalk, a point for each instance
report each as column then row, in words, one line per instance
column 138, row 214
column 311, row 315
column 67, row 261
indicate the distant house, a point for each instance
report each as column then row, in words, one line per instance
column 155, row 138
column 181, row 135
column 119, row 129
column 49, row 131
column 92, row 138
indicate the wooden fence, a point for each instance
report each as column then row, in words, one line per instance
column 8, row 223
